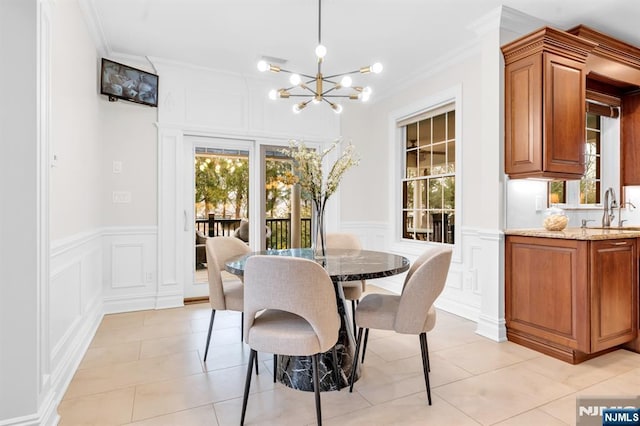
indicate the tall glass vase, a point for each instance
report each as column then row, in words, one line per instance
column 318, row 233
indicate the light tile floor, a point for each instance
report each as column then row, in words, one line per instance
column 146, row 368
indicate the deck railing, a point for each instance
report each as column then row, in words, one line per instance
column 280, row 230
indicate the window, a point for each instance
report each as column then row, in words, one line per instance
column 587, row 191
column 428, row 184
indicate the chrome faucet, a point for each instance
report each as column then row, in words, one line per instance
column 620, row 206
column 608, row 207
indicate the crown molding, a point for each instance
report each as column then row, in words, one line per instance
column 88, row 9
column 519, row 22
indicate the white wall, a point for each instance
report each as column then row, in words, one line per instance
column 21, row 377
column 128, row 136
column 76, row 204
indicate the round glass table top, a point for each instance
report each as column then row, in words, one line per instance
column 342, row 265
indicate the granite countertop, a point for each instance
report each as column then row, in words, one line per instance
column 578, row 233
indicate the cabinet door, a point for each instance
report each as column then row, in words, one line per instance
column 546, row 290
column 613, row 288
column 523, row 115
column 630, row 140
column 545, row 117
column 564, row 115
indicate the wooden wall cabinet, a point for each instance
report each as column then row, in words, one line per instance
column 630, row 140
column 545, row 86
column 614, row 68
column 571, row 299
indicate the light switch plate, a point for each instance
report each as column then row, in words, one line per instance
column 117, row 166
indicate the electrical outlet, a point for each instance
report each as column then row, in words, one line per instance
column 121, row 197
column 539, row 203
column 117, row 166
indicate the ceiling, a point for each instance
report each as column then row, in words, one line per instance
column 406, row 36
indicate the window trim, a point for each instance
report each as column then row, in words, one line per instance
column 609, row 174
column 396, row 169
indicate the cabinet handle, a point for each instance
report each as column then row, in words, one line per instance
column 623, row 243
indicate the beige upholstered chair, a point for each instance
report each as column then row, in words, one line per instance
column 412, row 312
column 224, row 294
column 352, row 289
column 290, row 309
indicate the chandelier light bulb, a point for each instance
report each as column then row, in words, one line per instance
column 376, row 68
column 337, row 108
column 346, row 81
column 295, row 79
column 296, row 109
column 366, row 94
column 273, row 94
column 316, row 100
column 263, row 66
column 321, row 51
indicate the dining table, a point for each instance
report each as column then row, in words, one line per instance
column 342, row 265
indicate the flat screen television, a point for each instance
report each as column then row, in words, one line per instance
column 119, row 81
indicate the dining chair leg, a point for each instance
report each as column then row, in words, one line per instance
column 425, row 363
column 316, row 388
column 275, row 367
column 336, row 367
column 364, row 346
column 206, row 348
column 241, row 326
column 355, row 360
column 353, row 314
column 256, row 362
column 247, row 385
column 426, row 350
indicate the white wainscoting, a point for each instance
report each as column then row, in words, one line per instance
column 105, row 271
column 475, row 285
column 131, row 270
column 75, row 304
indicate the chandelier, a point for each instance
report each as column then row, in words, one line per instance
column 320, row 88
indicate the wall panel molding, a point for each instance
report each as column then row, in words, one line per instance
column 475, row 285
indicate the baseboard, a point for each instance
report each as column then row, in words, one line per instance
column 494, row 330
column 129, row 303
column 459, row 309
column 142, row 302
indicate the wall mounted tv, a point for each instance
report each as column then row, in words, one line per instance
column 119, row 81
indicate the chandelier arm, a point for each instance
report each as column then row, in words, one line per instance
column 342, row 74
column 331, row 89
column 313, row 92
column 310, row 77
column 330, row 81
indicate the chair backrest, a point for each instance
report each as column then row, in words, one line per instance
column 340, row 240
column 345, row 241
column 421, row 289
column 219, row 250
column 426, row 255
column 295, row 285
